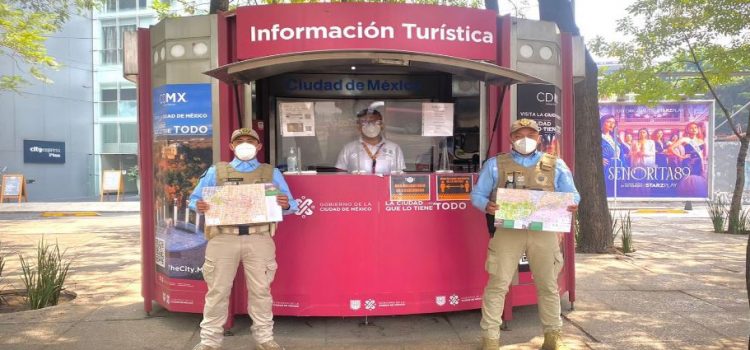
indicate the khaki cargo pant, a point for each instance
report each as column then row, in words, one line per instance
column 504, row 251
column 257, row 252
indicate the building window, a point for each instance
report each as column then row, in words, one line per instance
column 128, row 104
column 109, row 45
column 112, row 42
column 110, row 5
column 128, row 133
column 109, row 133
column 126, row 5
column 109, row 102
column 127, row 94
column 114, row 133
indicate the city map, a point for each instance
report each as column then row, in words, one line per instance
column 533, row 210
column 241, row 204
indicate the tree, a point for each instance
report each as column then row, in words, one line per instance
column 218, row 5
column 194, row 7
column 24, row 27
column 707, row 39
column 593, row 214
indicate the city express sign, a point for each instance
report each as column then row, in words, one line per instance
column 282, row 29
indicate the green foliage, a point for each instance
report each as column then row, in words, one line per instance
column 44, row 281
column 623, row 228
column 741, row 225
column 24, row 28
column 744, row 224
column 626, row 233
column 717, row 210
column 196, row 7
column 671, row 41
column 615, row 224
column 133, row 173
column 162, row 9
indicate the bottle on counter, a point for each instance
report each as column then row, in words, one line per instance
column 291, row 161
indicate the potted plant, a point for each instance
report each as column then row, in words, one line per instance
column 133, row 173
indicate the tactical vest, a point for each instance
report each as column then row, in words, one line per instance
column 540, row 177
column 226, row 175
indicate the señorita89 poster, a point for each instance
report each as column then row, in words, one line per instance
column 657, row 152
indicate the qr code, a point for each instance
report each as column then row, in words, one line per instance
column 161, row 252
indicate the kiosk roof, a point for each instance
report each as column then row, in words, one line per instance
column 263, row 67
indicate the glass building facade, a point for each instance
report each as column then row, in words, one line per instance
column 115, row 105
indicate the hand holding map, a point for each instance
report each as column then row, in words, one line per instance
column 533, row 210
column 242, row 204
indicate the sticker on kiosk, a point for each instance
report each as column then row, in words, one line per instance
column 453, row 187
column 410, row 188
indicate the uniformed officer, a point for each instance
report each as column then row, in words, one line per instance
column 522, row 168
column 372, row 153
column 252, row 245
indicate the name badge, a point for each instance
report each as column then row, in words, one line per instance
column 233, row 181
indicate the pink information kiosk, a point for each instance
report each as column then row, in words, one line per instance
column 448, row 82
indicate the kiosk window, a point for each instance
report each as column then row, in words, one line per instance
column 320, row 129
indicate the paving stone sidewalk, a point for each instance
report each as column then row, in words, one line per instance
column 683, row 288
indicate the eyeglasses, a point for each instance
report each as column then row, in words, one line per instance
column 370, row 122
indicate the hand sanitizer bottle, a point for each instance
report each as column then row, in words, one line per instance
column 291, row 160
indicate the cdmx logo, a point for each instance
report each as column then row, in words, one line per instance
column 172, row 97
column 306, row 207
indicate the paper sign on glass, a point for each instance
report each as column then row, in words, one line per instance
column 241, row 204
column 437, row 119
column 297, row 119
column 533, row 210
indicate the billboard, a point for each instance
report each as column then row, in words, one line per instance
column 181, row 153
column 662, row 152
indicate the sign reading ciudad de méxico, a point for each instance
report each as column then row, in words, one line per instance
column 664, row 151
column 182, row 110
column 446, row 30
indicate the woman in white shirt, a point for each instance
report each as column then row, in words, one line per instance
column 645, row 150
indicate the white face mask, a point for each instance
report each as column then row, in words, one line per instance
column 525, row 145
column 245, row 151
column 371, row 130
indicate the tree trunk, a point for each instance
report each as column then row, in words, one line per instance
column 735, row 224
column 737, row 203
column 218, row 5
column 594, row 220
column 491, row 5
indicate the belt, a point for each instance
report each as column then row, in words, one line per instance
column 245, row 230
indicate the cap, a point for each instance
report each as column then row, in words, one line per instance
column 369, row 111
column 244, row 132
column 523, row 123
